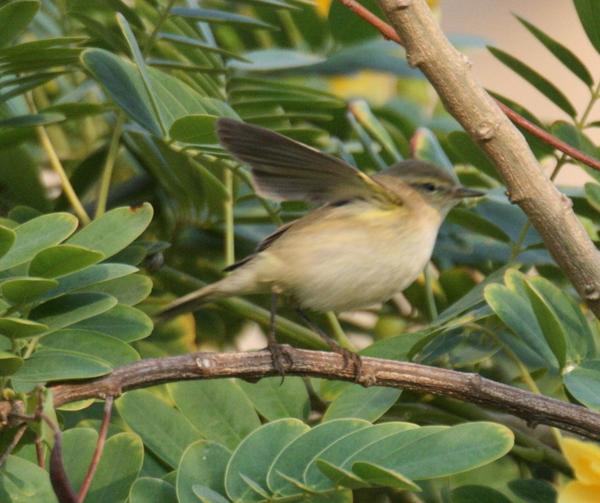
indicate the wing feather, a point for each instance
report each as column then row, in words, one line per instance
column 284, row 169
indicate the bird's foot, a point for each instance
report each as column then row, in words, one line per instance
column 350, row 357
column 281, row 358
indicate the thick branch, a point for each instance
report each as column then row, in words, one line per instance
column 548, row 210
column 535, row 409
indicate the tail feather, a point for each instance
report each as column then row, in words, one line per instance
column 190, row 302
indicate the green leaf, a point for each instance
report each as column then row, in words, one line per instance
column 124, row 84
column 589, row 16
column 578, row 335
column 114, row 230
column 347, row 27
column 125, row 323
column 273, row 60
column 538, row 81
column 207, row 495
column 367, row 119
column 570, row 134
column 420, row 456
column 476, row 223
column 129, row 290
column 476, row 494
column 17, row 327
column 78, row 444
column 374, row 452
column 549, row 323
column 14, row 18
column 118, row 468
column 516, row 313
column 469, row 152
column 292, row 461
column 219, row 17
column 274, row 399
column 37, row 234
column 164, row 430
column 380, row 476
column 95, row 344
column 9, row 363
column 70, row 309
column 583, row 382
column 91, row 276
column 21, row 290
column 562, row 53
column 427, row 147
column 141, row 65
column 341, row 452
column 149, row 490
column 7, row 238
column 254, row 455
column 60, row 260
column 22, row 480
column 592, row 194
column 533, row 490
column 31, row 120
column 224, row 421
column 364, row 403
column 203, row 463
column 196, row 129
column 50, row 365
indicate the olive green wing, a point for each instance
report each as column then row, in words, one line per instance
column 284, row 169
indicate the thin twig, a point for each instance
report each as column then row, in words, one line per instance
column 389, row 33
column 535, row 409
column 39, row 452
column 548, row 138
column 89, row 476
column 57, row 167
column 13, row 443
column 109, row 165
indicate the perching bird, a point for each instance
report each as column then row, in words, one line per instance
column 370, row 237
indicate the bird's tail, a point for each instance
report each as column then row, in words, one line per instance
column 191, row 301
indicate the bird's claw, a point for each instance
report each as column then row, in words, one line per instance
column 281, row 358
column 350, row 356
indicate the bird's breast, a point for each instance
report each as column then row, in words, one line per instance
column 346, row 264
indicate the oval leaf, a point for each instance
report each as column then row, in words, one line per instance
column 61, row 260
column 114, row 230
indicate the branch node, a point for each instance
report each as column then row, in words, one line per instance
column 591, row 292
column 513, row 198
column 466, row 60
column 486, row 130
column 414, row 58
column 566, row 201
column 474, row 382
column 204, row 362
column 401, row 4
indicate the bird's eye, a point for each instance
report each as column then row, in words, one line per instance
column 429, row 187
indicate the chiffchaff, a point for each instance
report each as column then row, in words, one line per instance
column 369, row 239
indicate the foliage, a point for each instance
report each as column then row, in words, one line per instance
column 118, row 100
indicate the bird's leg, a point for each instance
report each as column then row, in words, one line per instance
column 334, row 346
column 278, row 352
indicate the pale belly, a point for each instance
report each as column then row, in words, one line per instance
column 349, row 268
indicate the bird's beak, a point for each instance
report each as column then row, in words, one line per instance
column 462, row 192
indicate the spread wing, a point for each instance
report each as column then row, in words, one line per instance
column 284, row 169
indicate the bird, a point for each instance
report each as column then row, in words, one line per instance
column 369, row 237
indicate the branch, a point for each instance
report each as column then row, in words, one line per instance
column 535, row 409
column 548, row 210
column 89, row 476
column 390, row 34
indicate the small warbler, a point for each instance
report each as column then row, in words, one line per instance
column 370, row 237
